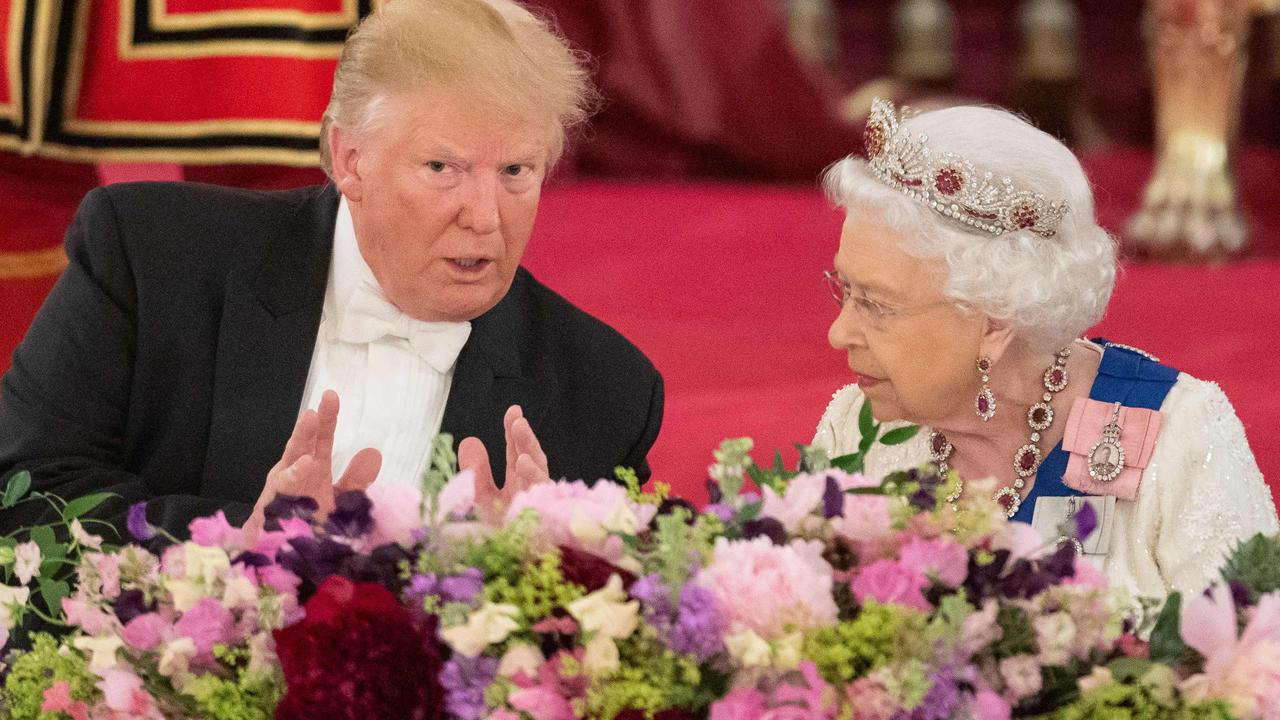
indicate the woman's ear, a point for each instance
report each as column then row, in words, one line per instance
column 344, row 156
column 997, row 335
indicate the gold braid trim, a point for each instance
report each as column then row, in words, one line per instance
column 29, row 264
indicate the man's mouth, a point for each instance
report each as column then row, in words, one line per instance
column 470, row 263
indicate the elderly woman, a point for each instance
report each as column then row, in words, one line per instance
column 969, row 265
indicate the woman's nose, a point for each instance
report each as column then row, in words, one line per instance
column 845, row 330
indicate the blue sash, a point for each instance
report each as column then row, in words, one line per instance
column 1126, row 376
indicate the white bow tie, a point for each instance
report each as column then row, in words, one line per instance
column 368, row 316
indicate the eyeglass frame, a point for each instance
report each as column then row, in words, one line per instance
column 876, row 312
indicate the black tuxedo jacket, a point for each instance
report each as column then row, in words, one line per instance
column 168, row 363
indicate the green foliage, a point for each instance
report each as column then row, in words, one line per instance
column 18, row 485
column 1018, row 636
column 855, row 647
column 652, row 679
column 1166, row 638
column 539, row 591
column 36, row 671
column 1135, row 700
column 442, row 467
column 246, row 696
column 1255, row 563
column 676, row 542
column 502, row 554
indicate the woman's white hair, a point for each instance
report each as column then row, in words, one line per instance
column 1049, row 289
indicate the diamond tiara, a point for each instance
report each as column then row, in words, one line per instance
column 950, row 184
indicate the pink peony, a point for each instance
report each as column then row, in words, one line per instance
column 771, row 589
column 207, row 624
column 214, row 531
column 1243, row 670
column 581, row 516
column 396, row 513
column 866, row 517
column 744, row 703
column 888, row 581
column 944, row 559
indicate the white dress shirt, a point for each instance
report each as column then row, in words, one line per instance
column 392, row 373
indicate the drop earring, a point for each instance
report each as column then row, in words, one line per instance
column 985, row 404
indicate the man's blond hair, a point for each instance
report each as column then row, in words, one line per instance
column 494, row 51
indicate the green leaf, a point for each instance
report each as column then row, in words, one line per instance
column 851, row 463
column 1128, row 669
column 1166, row 638
column 900, row 435
column 43, row 536
column 52, row 592
column 82, row 505
column 17, row 486
column 750, row 512
column 777, row 461
column 866, row 423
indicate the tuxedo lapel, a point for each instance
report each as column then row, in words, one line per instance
column 493, row 374
column 271, row 314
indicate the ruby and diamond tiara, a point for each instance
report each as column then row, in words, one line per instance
column 949, row 183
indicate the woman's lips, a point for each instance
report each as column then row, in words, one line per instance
column 866, row 381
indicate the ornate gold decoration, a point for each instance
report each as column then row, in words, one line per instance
column 1198, row 54
column 27, row 264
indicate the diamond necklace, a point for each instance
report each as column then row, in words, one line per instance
column 1026, row 461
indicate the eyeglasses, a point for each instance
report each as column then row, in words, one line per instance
column 869, row 309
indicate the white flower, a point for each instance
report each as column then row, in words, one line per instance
column 491, row 624
column 175, row 658
column 204, row 564
column 239, row 592
column 607, row 611
column 749, row 649
column 101, row 649
column 521, row 658
column 1055, row 635
column 586, row 530
column 185, row 593
column 11, row 598
column 601, row 657
column 82, row 536
column 27, row 562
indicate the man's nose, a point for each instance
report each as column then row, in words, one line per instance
column 479, row 211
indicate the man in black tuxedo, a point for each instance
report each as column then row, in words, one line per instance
column 193, row 323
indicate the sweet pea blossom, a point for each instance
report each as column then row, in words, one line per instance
column 27, row 562
column 492, row 623
column 1021, row 674
column 1242, row 668
column 10, row 599
column 888, row 581
column 607, row 611
column 102, row 651
column 81, row 536
column 396, row 513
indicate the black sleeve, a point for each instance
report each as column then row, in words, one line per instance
column 638, row 457
column 64, row 403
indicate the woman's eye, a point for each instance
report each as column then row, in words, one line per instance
column 436, row 166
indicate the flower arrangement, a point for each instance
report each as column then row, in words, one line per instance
column 827, row 594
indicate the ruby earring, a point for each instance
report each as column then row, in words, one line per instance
column 985, row 404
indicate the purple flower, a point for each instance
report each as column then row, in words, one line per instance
column 768, row 527
column 313, row 560
column 832, row 499
column 129, row 604
column 283, row 507
column 463, row 587
column 137, row 523
column 939, row 702
column 465, row 680
column 350, row 517
column 713, row 492
column 1086, row 520
column 699, row 627
column 720, row 510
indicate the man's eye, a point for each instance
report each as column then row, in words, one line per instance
column 514, row 170
column 436, row 166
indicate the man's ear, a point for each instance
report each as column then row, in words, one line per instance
column 996, row 338
column 344, row 156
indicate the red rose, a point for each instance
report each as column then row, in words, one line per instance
column 359, row 654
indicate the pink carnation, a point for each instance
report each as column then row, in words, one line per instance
column 888, row 581
column 769, row 588
column 944, row 559
column 57, row 698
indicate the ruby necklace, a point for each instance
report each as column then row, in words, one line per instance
column 1026, row 461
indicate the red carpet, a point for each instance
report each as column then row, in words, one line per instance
column 721, row 285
